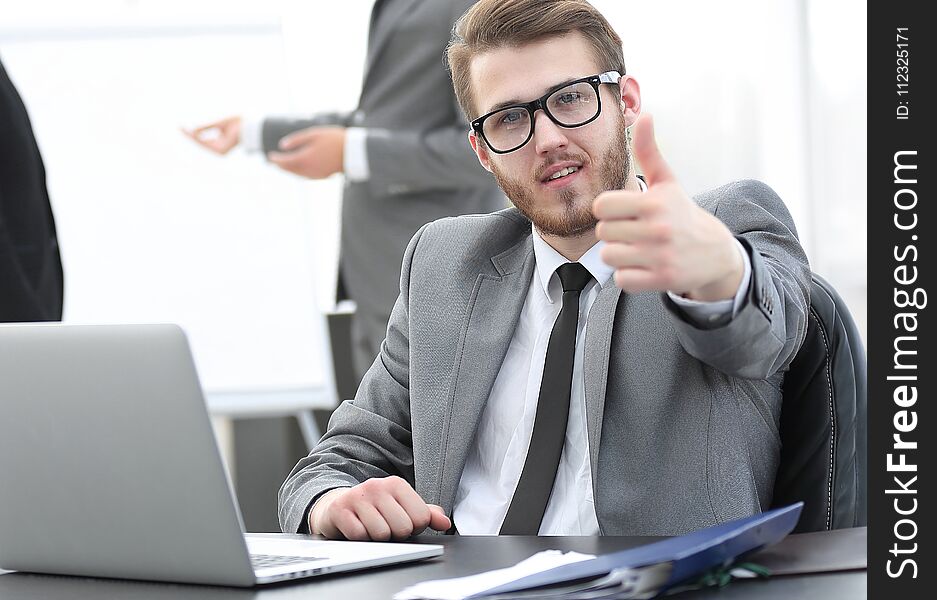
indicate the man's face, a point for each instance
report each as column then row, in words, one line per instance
column 598, row 150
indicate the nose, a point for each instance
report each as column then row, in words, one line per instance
column 548, row 136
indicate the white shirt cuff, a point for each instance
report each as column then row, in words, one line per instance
column 356, row 154
column 252, row 131
column 710, row 312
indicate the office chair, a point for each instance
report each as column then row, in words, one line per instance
column 823, row 420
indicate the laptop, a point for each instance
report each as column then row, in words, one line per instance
column 109, row 468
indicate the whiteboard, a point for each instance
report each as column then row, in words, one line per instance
column 153, row 228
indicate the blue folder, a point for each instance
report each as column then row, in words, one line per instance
column 690, row 554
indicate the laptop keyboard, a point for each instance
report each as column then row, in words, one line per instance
column 263, row 561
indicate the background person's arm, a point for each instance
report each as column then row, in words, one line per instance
column 273, row 129
column 415, row 161
column 398, row 160
column 409, row 160
column 18, row 299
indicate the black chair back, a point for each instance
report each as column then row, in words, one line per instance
column 823, row 420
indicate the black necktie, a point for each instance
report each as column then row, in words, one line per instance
column 546, row 442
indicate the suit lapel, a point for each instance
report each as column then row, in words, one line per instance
column 598, row 343
column 383, row 25
column 372, row 26
column 494, row 310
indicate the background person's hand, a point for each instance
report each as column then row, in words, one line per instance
column 314, row 152
column 219, row 137
column 660, row 240
column 379, row 509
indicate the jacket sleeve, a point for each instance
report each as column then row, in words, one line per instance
column 369, row 436
column 439, row 157
column 416, row 161
column 766, row 333
column 276, row 128
column 18, row 299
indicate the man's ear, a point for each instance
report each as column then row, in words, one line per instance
column 630, row 93
column 481, row 151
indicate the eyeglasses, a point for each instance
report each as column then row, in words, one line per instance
column 571, row 104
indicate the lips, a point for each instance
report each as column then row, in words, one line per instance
column 556, row 167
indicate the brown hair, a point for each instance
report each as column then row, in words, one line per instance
column 491, row 24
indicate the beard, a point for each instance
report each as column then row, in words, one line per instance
column 575, row 218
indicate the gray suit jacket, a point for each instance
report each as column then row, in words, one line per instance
column 682, row 422
column 421, row 165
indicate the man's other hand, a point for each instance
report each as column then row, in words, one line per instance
column 380, row 509
column 219, row 137
column 315, row 152
column 660, row 240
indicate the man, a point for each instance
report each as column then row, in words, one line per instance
column 31, row 283
column 401, row 151
column 606, row 358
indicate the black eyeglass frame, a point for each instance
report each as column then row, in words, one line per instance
column 610, row 77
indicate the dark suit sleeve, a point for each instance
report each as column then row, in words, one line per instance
column 770, row 326
column 18, row 299
column 369, row 436
column 31, row 279
column 276, row 128
column 421, row 160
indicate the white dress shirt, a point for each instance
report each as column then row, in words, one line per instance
column 497, row 456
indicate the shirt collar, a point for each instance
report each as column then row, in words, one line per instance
column 548, row 260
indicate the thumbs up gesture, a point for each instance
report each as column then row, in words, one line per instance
column 660, row 240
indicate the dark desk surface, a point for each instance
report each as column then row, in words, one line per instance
column 463, row 556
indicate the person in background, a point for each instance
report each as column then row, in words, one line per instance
column 402, row 153
column 31, row 278
column 604, row 358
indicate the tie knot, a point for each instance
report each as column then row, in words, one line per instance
column 573, row 276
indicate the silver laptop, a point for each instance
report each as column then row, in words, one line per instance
column 109, row 468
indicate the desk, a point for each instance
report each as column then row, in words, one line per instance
column 463, row 556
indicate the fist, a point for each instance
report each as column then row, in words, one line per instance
column 660, row 240
column 380, row 509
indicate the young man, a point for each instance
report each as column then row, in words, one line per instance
column 604, row 358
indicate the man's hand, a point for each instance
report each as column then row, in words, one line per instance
column 219, row 137
column 379, row 509
column 315, row 152
column 660, row 240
